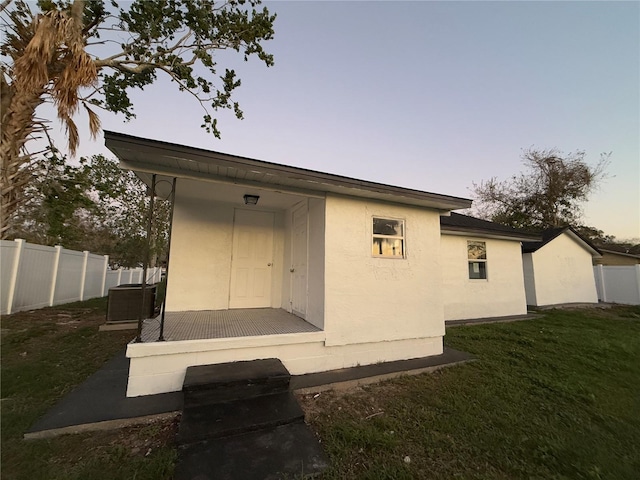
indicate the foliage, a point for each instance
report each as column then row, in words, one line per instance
column 609, row 242
column 122, row 203
column 550, row 192
column 76, row 53
column 93, row 206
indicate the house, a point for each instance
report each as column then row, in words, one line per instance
column 481, row 268
column 558, row 269
column 612, row 257
column 266, row 260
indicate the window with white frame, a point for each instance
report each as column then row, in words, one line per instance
column 388, row 238
column 477, row 255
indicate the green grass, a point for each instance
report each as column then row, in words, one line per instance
column 553, row 398
column 45, row 354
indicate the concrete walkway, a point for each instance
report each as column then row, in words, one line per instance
column 101, row 402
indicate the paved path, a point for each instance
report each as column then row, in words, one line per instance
column 101, row 402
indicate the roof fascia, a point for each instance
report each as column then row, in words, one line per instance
column 354, row 187
column 623, row 254
column 585, row 244
column 461, row 231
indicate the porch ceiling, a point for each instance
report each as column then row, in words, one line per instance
column 147, row 157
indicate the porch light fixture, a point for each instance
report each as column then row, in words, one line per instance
column 251, row 199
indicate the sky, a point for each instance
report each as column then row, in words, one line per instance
column 430, row 95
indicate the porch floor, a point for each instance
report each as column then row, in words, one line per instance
column 244, row 322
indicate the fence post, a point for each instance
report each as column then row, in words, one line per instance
column 15, row 271
column 54, row 279
column 638, row 281
column 104, row 275
column 119, row 276
column 84, row 273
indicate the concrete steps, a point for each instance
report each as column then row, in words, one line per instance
column 238, row 417
column 209, row 384
column 240, row 421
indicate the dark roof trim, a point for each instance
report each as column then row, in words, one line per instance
column 458, row 224
column 312, row 179
column 552, row 233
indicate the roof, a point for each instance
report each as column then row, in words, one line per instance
column 458, row 224
column 615, row 252
column 147, row 157
column 549, row 234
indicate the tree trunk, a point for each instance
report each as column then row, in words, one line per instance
column 18, row 115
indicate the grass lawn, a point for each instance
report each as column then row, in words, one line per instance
column 45, row 353
column 557, row 397
column 553, row 398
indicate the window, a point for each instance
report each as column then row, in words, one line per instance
column 477, row 254
column 388, row 238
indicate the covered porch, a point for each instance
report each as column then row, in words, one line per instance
column 213, row 324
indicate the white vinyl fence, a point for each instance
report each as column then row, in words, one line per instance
column 618, row 284
column 36, row 276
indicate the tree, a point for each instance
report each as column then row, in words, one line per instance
column 56, row 55
column 122, row 206
column 550, row 192
column 93, row 206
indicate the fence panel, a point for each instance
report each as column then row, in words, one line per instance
column 33, row 284
column 35, row 276
column 112, row 280
column 69, row 277
column 93, row 277
column 8, row 251
column 618, row 284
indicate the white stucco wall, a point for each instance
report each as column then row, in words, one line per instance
column 161, row 366
column 201, row 246
column 316, row 256
column 563, row 273
column 371, row 299
column 529, row 278
column 501, row 294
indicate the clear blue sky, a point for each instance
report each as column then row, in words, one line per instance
column 431, row 95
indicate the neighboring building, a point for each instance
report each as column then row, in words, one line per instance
column 359, row 263
column 559, row 269
column 611, row 257
column 482, row 268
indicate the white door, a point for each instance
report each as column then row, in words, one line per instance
column 252, row 259
column 299, row 262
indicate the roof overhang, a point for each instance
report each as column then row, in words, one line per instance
column 622, row 254
column 147, row 157
column 466, row 232
column 586, row 245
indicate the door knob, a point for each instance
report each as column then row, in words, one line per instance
column 269, row 264
column 292, row 270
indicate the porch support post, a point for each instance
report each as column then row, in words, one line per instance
column 166, row 273
column 145, row 263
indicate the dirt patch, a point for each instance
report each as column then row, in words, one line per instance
column 360, row 402
column 142, row 440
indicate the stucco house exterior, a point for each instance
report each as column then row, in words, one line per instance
column 559, row 269
column 481, row 268
column 357, row 264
